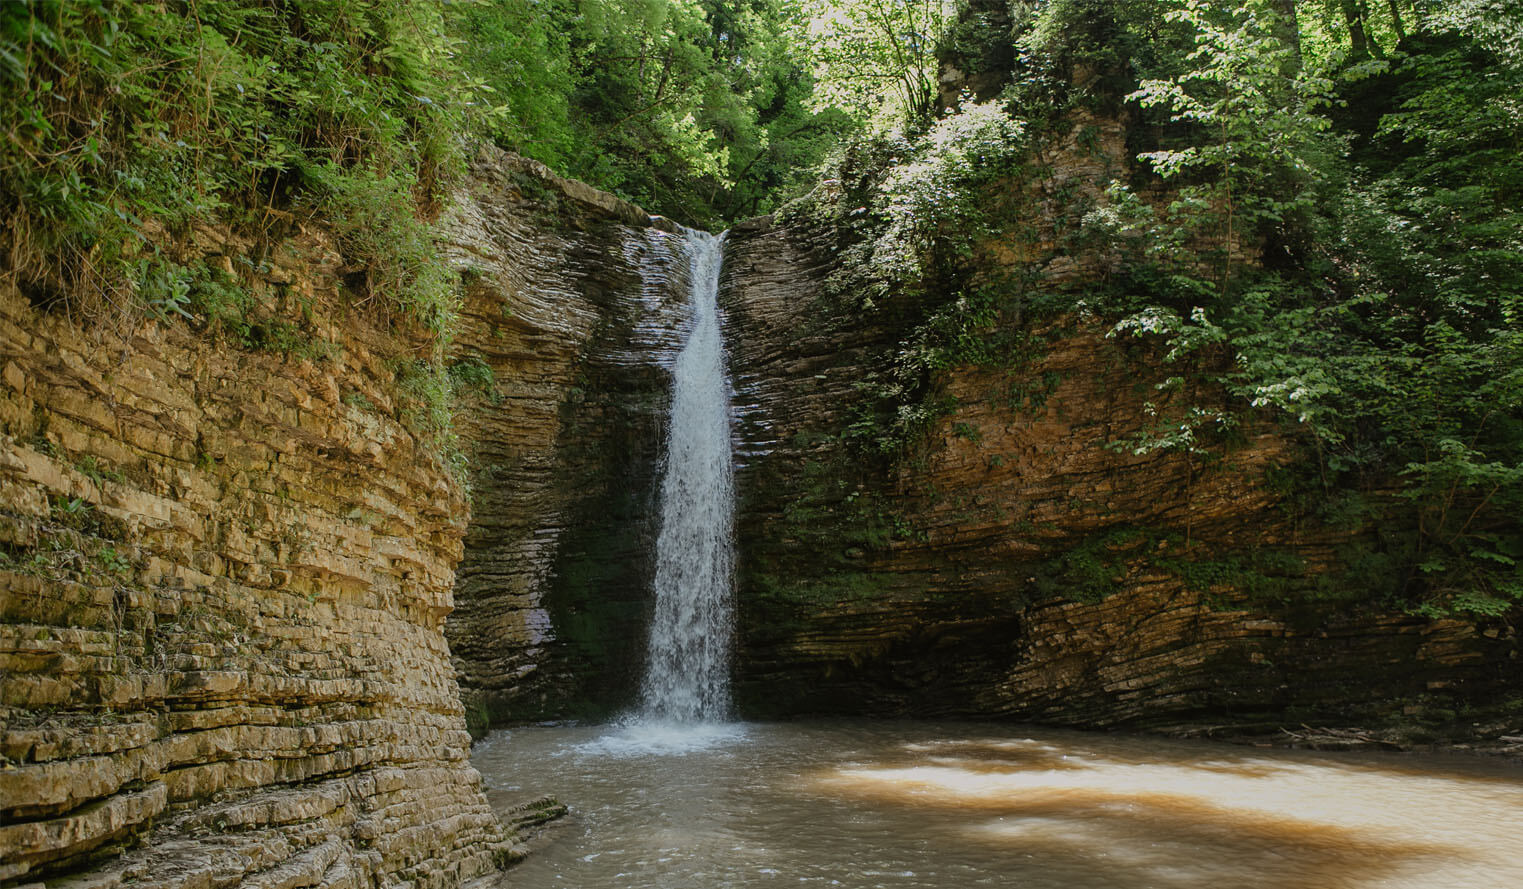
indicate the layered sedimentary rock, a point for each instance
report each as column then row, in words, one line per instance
column 1017, row 564
column 224, row 575
column 227, row 571
column 575, row 300
column 1019, row 561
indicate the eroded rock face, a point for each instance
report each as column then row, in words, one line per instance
column 227, row 572
column 576, row 301
column 1015, row 566
column 224, row 576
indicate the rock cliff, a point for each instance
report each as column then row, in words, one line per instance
column 576, row 301
column 229, row 573
column 224, row 575
column 1014, row 563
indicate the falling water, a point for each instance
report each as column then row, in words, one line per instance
column 688, row 662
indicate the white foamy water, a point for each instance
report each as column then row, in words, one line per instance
column 646, row 737
column 687, row 679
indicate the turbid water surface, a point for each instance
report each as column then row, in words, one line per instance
column 949, row 806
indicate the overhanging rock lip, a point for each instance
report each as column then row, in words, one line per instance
column 608, row 204
column 755, row 224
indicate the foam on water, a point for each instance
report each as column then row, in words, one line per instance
column 647, row 737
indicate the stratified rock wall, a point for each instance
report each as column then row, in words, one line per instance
column 576, row 301
column 224, row 576
column 1013, row 565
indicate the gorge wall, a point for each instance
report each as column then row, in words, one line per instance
column 224, row 575
column 229, row 574
column 1016, row 567
column 1013, row 565
column 1016, row 558
column 227, row 568
column 225, row 586
column 576, row 301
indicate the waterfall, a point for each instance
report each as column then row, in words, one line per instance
column 688, row 659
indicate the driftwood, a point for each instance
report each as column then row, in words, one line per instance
column 1337, row 737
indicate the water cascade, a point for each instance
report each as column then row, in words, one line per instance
column 688, row 661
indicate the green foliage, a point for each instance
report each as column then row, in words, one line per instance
column 1377, row 298
column 877, row 57
column 72, row 512
column 521, row 49
column 697, row 109
column 1257, row 575
column 922, row 213
column 1251, row 164
column 90, row 467
column 1096, row 567
column 113, row 563
column 773, row 592
column 373, row 217
column 219, row 300
column 1326, row 223
column 428, row 390
column 833, row 513
column 1324, row 226
column 1178, row 422
column 836, row 511
column 1083, row 53
column 359, row 401
column 427, row 404
column 127, row 122
column 927, row 205
column 1093, row 569
column 471, row 374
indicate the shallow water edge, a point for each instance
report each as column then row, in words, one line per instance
column 905, row 804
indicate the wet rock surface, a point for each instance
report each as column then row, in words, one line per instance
column 1015, row 566
column 577, row 304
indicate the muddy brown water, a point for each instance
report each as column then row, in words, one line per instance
column 918, row 805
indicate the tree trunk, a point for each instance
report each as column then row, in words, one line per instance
column 1354, row 14
column 1288, row 28
column 1396, row 23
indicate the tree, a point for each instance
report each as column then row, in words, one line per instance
column 877, row 57
column 696, row 109
column 1391, row 332
column 1252, row 167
